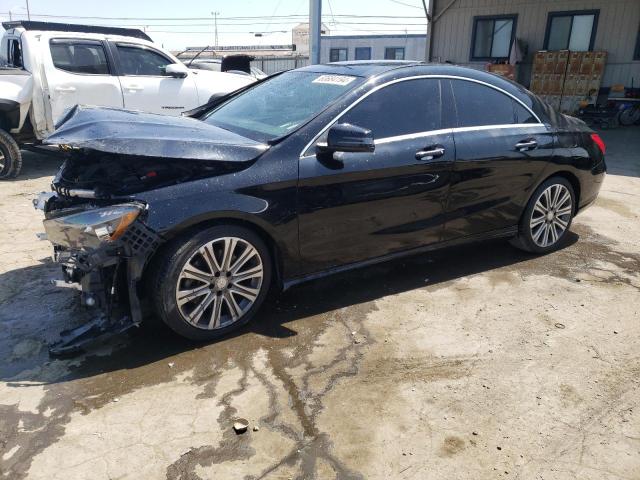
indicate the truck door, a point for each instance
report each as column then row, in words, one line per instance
column 146, row 87
column 79, row 73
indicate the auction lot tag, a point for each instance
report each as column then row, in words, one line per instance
column 335, row 79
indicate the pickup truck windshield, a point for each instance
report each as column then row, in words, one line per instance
column 280, row 105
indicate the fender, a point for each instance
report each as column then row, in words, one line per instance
column 16, row 87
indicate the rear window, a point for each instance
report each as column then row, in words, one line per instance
column 479, row 105
column 79, row 57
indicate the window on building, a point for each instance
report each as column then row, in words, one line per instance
column 338, row 55
column 636, row 55
column 141, row 61
column 492, row 37
column 571, row 30
column 394, row 53
column 363, row 53
column 479, row 105
column 402, row 108
column 79, row 56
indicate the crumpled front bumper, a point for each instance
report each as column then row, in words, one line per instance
column 105, row 273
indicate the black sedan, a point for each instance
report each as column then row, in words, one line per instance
column 303, row 174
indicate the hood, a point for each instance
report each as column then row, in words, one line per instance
column 127, row 132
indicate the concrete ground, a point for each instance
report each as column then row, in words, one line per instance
column 478, row 362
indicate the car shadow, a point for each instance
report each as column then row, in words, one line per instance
column 277, row 320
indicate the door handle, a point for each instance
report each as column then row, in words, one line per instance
column 134, row 88
column 524, row 145
column 65, row 89
column 430, row 153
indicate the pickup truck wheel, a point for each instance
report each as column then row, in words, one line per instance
column 10, row 157
column 213, row 282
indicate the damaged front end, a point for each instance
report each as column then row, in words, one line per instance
column 94, row 217
column 102, row 251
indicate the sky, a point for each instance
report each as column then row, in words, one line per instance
column 181, row 23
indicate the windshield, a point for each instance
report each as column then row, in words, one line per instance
column 279, row 105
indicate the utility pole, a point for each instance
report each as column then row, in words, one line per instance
column 28, row 12
column 315, row 22
column 215, row 27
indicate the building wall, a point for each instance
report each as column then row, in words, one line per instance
column 616, row 32
column 414, row 45
column 271, row 65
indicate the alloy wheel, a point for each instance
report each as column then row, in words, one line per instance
column 219, row 283
column 551, row 215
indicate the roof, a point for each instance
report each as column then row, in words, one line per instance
column 362, row 68
column 403, row 68
column 368, row 37
column 71, row 27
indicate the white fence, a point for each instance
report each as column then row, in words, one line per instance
column 271, row 65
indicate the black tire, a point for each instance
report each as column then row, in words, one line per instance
column 10, row 157
column 525, row 239
column 629, row 116
column 166, row 280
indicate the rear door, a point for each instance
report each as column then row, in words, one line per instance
column 501, row 149
column 78, row 72
column 145, row 86
column 358, row 206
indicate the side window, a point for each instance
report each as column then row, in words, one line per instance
column 402, row 108
column 79, row 57
column 522, row 114
column 141, row 61
column 14, row 57
column 479, row 105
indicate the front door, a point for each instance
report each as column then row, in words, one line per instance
column 501, row 149
column 80, row 74
column 145, row 87
column 357, row 206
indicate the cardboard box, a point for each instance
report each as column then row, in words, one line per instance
column 599, row 63
column 537, row 83
column 586, row 67
column 550, row 61
column 561, row 62
column 575, row 60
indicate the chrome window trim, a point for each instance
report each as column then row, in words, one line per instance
column 445, row 131
column 419, row 77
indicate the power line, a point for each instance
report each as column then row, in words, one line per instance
column 257, row 17
column 405, row 4
column 400, row 31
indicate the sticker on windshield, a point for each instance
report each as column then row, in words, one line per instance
column 335, row 79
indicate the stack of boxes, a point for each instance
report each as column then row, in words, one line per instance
column 566, row 80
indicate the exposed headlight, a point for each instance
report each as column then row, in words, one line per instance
column 92, row 228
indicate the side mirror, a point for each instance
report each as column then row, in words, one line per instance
column 345, row 137
column 176, row 70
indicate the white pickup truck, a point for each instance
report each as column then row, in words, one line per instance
column 47, row 68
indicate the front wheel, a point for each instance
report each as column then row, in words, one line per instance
column 212, row 283
column 10, row 157
column 547, row 218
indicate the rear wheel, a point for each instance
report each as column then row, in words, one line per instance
column 212, row 283
column 629, row 115
column 10, row 157
column 547, row 218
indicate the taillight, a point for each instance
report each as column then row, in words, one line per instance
column 598, row 141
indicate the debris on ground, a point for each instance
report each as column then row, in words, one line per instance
column 240, row 425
